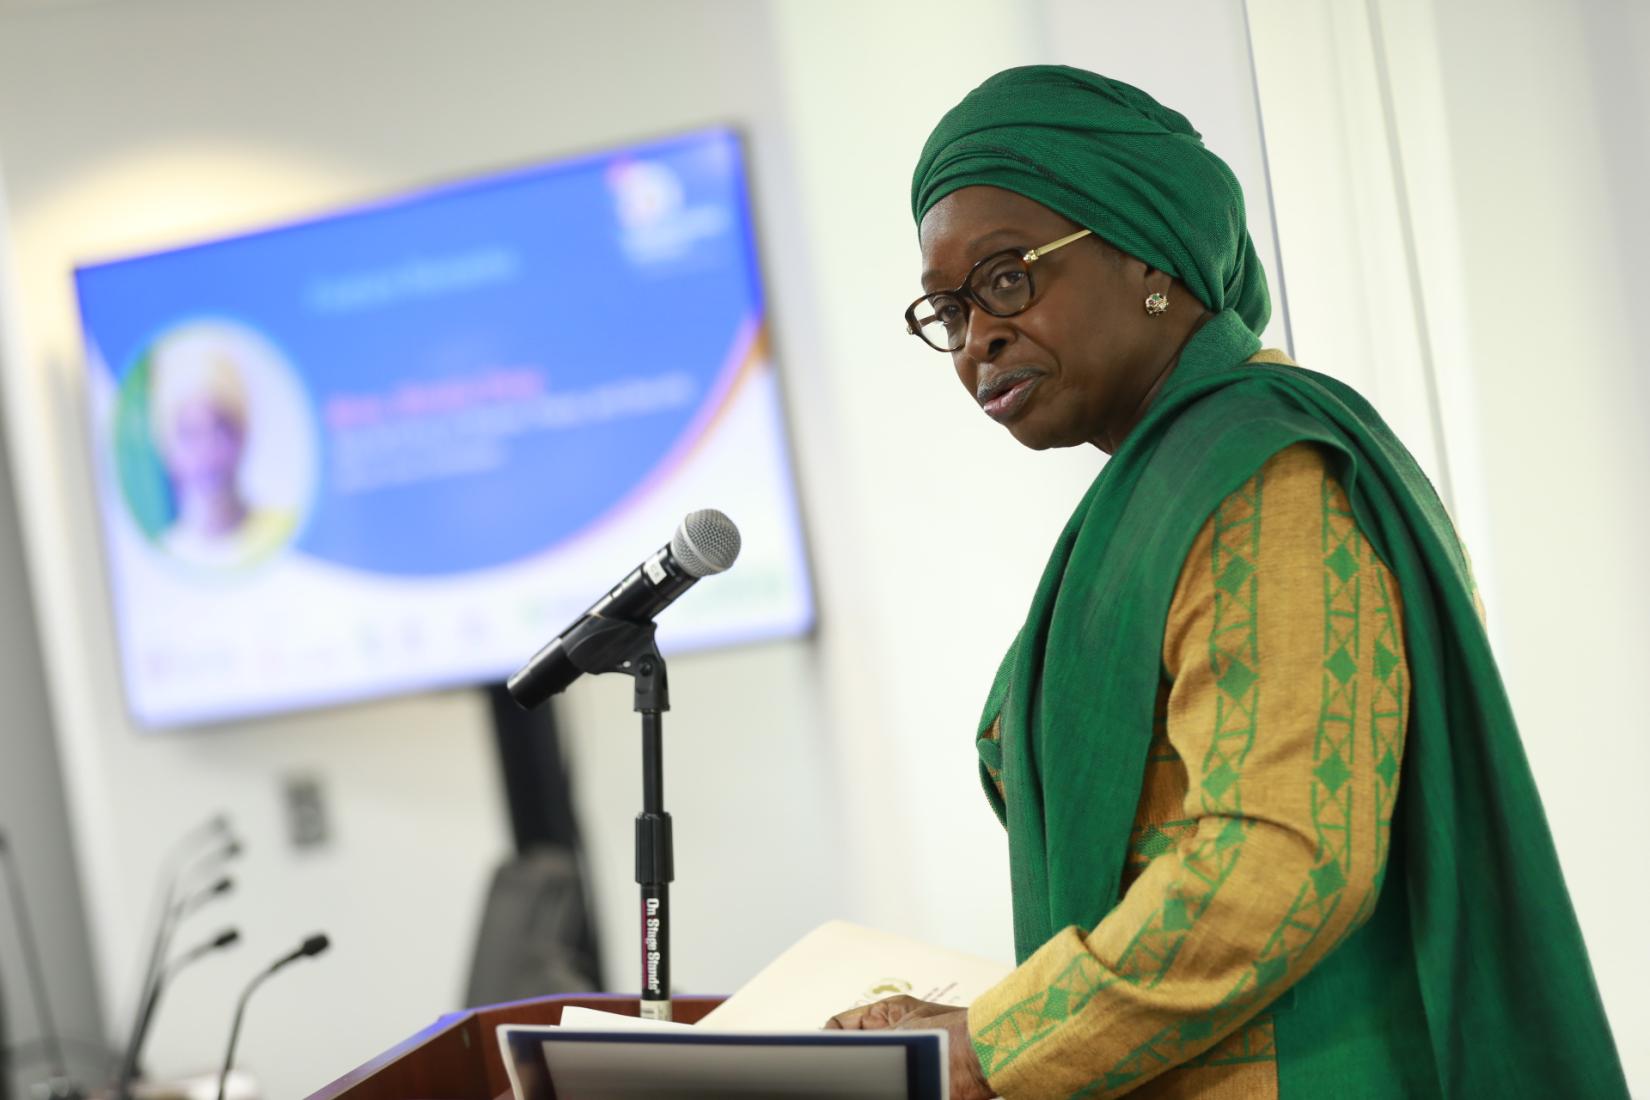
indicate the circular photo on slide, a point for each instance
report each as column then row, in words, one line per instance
column 215, row 444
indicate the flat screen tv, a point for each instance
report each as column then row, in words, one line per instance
column 401, row 446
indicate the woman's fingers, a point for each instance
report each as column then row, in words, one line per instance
column 876, row 1015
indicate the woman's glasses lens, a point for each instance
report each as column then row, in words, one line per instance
column 1000, row 285
column 942, row 320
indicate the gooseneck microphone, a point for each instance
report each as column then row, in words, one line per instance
column 205, row 894
column 707, row 542
column 185, row 851
column 31, row 961
column 185, row 856
column 314, row 945
column 146, row 1015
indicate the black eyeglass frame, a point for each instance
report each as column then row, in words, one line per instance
column 964, row 293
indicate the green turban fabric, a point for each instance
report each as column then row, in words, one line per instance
column 1112, row 159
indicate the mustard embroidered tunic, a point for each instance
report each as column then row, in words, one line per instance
column 1264, row 816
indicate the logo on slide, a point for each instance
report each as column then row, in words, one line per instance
column 657, row 224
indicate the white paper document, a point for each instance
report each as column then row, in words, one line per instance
column 578, row 1018
column 839, row 966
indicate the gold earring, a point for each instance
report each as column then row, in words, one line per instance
column 1156, row 302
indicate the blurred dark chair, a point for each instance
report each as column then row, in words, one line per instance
column 536, row 935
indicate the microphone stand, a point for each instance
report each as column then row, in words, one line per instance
column 655, row 862
column 601, row 645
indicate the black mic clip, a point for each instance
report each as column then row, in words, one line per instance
column 599, row 645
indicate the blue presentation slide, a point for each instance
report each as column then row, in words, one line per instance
column 401, row 446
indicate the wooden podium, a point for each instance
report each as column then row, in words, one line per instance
column 457, row 1057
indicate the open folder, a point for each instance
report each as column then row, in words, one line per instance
column 765, row 1040
column 560, row 1063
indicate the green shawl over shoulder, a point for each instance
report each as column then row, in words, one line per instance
column 1473, row 963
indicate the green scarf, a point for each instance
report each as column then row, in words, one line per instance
column 1112, row 159
column 1473, row 963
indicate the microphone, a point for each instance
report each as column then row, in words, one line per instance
column 707, row 542
column 184, row 855
column 200, row 897
column 31, row 958
column 223, row 939
column 134, row 1050
column 314, row 945
column 183, row 852
column 178, row 865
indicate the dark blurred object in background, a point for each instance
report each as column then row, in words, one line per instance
column 536, row 936
column 5, row 1048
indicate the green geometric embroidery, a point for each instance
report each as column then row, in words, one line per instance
column 1021, row 1025
column 1328, row 879
column 1344, row 553
column 1252, row 1043
column 1234, row 652
column 1236, row 574
column 1387, row 769
column 1336, row 744
column 1234, row 648
column 1270, row 970
column 1238, row 679
column 1176, row 916
column 1153, row 842
column 1386, row 726
column 1221, row 780
column 1233, row 656
column 1386, row 661
column 1194, row 1030
column 1343, row 564
column 1147, row 843
column 1332, row 773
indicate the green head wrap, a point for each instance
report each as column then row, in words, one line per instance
column 1112, row 159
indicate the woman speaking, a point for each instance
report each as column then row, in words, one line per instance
column 1271, row 829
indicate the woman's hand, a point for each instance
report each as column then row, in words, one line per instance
column 907, row 1013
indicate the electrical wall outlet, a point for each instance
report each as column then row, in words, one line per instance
column 308, row 824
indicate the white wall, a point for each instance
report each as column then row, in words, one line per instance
column 33, row 815
column 843, row 781
column 1548, row 106
column 140, row 124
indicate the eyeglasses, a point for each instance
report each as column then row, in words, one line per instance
column 1000, row 284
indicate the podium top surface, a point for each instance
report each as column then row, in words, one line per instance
column 457, row 1057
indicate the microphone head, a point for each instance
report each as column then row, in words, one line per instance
column 315, row 945
column 707, row 542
